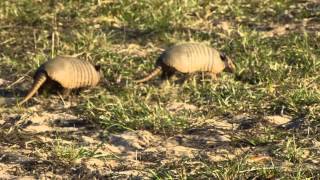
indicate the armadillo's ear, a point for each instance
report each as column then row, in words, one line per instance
column 223, row 56
column 97, row 67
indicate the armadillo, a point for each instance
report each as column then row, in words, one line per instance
column 69, row 72
column 189, row 58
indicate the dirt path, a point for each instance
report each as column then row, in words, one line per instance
column 37, row 145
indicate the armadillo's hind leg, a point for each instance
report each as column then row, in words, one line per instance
column 49, row 87
column 167, row 73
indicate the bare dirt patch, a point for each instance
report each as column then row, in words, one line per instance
column 34, row 144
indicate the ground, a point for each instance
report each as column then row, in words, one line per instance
column 260, row 122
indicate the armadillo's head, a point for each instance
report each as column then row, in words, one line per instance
column 99, row 70
column 102, row 80
column 228, row 63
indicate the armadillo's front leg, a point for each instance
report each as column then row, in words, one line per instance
column 66, row 94
column 214, row 76
column 187, row 77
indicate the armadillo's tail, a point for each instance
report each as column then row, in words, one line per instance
column 38, row 81
column 155, row 72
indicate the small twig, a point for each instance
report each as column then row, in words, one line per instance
column 7, row 41
column 18, row 80
column 257, row 169
column 7, row 26
column 60, row 96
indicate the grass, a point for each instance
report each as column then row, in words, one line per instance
column 275, row 75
